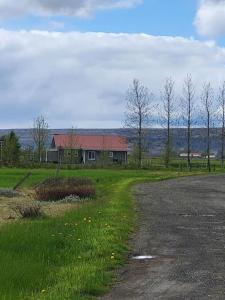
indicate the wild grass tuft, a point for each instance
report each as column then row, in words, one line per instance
column 29, row 211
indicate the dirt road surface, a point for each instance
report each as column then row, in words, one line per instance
column 182, row 224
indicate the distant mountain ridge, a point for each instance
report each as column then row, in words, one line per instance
column 155, row 138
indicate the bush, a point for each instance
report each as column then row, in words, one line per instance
column 65, row 181
column 30, row 211
column 78, row 181
column 58, row 188
column 58, row 193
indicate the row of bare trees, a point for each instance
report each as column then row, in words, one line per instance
column 187, row 111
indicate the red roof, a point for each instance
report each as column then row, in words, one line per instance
column 90, row 142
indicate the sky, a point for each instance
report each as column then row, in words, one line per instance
column 72, row 61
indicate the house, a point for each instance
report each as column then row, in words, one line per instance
column 192, row 155
column 212, row 156
column 87, row 149
column 196, row 155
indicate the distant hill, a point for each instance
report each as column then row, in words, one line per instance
column 155, row 138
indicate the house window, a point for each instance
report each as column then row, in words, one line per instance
column 72, row 153
column 111, row 154
column 91, row 155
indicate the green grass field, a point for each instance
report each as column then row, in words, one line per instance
column 72, row 256
column 197, row 164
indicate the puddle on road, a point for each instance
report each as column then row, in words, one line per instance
column 189, row 216
column 143, row 257
column 208, row 216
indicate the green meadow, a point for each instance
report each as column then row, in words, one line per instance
column 73, row 256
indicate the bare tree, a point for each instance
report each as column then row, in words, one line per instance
column 40, row 132
column 187, row 114
column 168, row 115
column 207, row 102
column 138, row 113
column 222, row 115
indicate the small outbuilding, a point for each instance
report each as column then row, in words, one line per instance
column 192, row 155
column 87, row 149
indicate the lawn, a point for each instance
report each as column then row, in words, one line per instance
column 71, row 256
column 197, row 164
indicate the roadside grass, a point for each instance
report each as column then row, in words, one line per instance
column 72, row 256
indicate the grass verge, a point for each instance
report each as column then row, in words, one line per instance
column 72, row 256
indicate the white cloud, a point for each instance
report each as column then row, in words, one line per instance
column 210, row 18
column 80, row 8
column 81, row 78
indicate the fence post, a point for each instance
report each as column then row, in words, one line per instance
column 22, row 181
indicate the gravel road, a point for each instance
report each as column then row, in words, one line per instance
column 182, row 224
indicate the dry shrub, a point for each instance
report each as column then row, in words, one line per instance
column 30, row 211
column 54, row 189
column 65, row 181
column 58, row 193
column 78, row 181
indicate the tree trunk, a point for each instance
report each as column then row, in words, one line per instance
column 140, row 142
column 168, row 147
column 222, row 140
column 189, row 138
column 208, row 144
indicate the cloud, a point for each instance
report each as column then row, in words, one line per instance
column 79, row 8
column 210, row 18
column 81, row 79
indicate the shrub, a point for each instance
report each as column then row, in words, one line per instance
column 78, row 181
column 60, row 192
column 30, row 211
column 50, row 182
column 66, row 181
column 54, row 189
